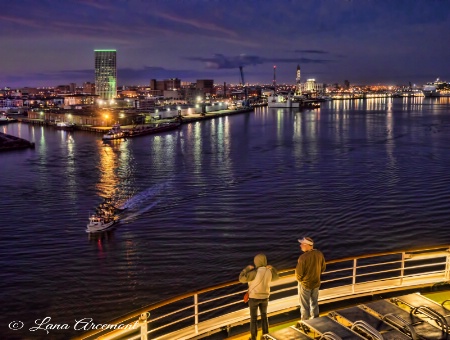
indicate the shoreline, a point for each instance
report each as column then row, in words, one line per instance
column 8, row 142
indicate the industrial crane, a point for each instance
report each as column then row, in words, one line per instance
column 245, row 103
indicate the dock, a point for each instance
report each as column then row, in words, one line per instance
column 182, row 119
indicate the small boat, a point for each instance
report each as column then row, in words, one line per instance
column 116, row 132
column 4, row 119
column 98, row 223
column 65, row 125
column 106, row 216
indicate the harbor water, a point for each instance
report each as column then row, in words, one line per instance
column 357, row 176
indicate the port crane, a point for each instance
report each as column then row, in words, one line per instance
column 245, row 103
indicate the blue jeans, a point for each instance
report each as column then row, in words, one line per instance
column 309, row 304
column 253, row 304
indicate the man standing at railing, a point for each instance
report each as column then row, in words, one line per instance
column 258, row 278
column 310, row 265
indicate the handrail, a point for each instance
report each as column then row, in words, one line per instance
column 289, row 278
column 330, row 336
column 368, row 329
column 401, row 323
column 411, row 250
column 432, row 314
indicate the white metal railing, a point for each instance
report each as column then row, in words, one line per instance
column 220, row 307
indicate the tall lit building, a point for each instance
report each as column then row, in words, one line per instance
column 298, row 89
column 105, row 74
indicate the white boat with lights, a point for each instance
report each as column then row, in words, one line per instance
column 116, row 132
column 3, row 119
column 65, row 126
column 436, row 89
column 98, row 223
column 105, row 217
column 380, row 289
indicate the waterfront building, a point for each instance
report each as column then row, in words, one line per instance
column 79, row 99
column 29, row 91
column 9, row 103
column 147, row 104
column 63, row 89
column 186, row 91
column 88, row 88
column 165, row 85
column 206, row 86
column 106, row 74
column 310, row 87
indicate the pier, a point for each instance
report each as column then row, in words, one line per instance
column 182, row 119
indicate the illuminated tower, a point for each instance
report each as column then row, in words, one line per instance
column 105, row 74
column 297, row 80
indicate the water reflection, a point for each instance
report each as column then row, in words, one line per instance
column 68, row 141
column 196, row 132
column 101, row 240
column 114, row 164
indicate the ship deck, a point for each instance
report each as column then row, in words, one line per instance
column 293, row 329
column 218, row 312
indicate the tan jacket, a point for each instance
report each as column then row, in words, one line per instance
column 309, row 267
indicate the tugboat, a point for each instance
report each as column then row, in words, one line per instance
column 105, row 217
column 115, row 133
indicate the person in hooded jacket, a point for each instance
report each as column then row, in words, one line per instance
column 258, row 278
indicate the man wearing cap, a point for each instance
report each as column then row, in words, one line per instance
column 309, row 267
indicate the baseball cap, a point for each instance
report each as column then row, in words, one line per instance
column 306, row 240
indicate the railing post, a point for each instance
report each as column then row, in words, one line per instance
column 143, row 323
column 354, row 274
column 447, row 267
column 196, row 312
column 402, row 270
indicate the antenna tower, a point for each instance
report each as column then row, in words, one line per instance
column 274, row 76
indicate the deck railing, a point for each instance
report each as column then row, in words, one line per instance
column 220, row 307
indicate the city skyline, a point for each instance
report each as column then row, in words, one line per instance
column 47, row 43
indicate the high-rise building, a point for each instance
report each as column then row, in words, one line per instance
column 105, row 74
column 298, row 90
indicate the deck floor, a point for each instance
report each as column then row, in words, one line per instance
column 438, row 297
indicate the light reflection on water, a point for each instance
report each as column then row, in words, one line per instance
column 358, row 176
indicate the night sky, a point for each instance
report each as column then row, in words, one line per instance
column 51, row 42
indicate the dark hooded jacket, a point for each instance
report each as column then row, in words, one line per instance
column 259, row 278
